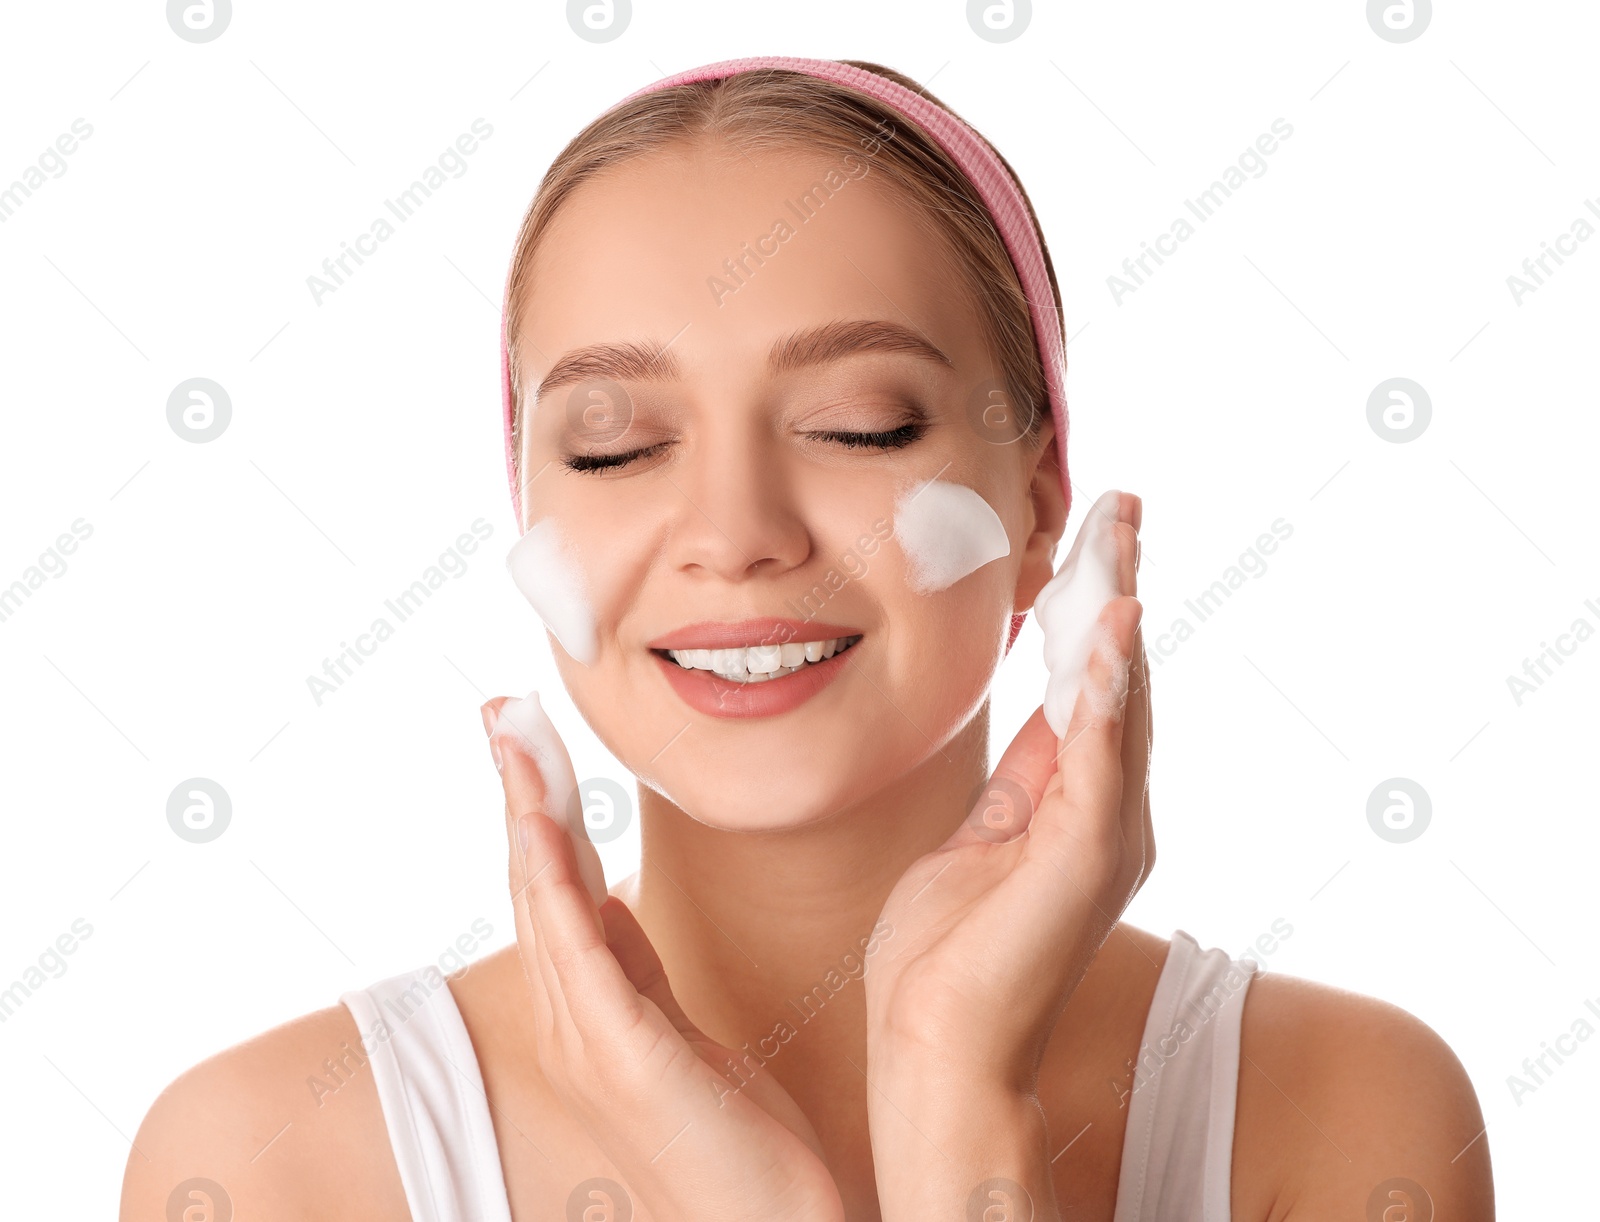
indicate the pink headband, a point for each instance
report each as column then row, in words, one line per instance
column 980, row 164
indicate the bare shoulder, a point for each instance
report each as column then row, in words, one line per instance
column 286, row 1124
column 1351, row 1107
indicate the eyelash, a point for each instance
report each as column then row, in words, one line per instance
column 587, row 463
column 888, row 439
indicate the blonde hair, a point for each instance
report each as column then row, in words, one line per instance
column 771, row 108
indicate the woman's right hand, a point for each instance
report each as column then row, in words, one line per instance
column 659, row 1097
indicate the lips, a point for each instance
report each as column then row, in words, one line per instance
column 716, row 696
column 768, row 630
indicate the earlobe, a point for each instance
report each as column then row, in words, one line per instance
column 1049, row 521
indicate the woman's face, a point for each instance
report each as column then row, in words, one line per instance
column 712, row 486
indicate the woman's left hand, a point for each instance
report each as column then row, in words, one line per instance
column 995, row 929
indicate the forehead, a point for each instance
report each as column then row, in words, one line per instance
column 727, row 249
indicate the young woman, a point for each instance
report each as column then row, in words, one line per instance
column 787, row 440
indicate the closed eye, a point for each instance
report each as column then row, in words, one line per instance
column 888, row 439
column 608, row 462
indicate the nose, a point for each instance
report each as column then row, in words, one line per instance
column 739, row 514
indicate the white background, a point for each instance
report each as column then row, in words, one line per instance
column 1230, row 390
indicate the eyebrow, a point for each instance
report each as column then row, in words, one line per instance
column 651, row 362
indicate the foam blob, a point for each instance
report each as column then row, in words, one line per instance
column 527, row 724
column 544, row 565
column 1069, row 609
column 946, row 531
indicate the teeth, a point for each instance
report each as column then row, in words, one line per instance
column 760, row 663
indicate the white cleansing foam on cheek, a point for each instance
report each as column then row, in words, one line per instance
column 946, row 531
column 1069, row 609
column 544, row 565
column 526, row 722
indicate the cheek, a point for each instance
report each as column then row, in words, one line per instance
column 947, row 532
column 544, row 564
column 581, row 575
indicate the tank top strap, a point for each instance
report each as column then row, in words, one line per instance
column 1177, row 1155
column 431, row 1092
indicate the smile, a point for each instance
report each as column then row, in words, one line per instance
column 760, row 663
column 754, row 668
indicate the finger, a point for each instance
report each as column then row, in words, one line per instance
column 1084, row 825
column 1136, row 772
column 1070, row 604
column 1004, row 806
column 543, row 858
column 527, row 724
column 1127, row 556
column 641, row 965
column 1137, row 829
column 1029, row 766
column 630, row 1045
column 585, row 981
column 520, row 792
column 526, row 795
column 1146, row 708
column 491, row 717
column 544, row 861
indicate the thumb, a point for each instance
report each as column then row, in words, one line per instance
column 631, row 947
column 1003, row 808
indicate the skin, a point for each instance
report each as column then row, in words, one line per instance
column 786, row 864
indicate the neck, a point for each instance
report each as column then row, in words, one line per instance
column 757, row 930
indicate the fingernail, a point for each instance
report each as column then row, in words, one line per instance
column 1128, row 509
column 490, row 720
column 522, row 832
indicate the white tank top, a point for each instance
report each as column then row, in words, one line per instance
column 1176, row 1156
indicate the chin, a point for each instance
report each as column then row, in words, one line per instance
column 742, row 799
column 837, row 750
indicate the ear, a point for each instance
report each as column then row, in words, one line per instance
column 1049, row 511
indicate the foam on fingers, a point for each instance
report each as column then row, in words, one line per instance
column 526, row 726
column 1069, row 610
column 1107, row 702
